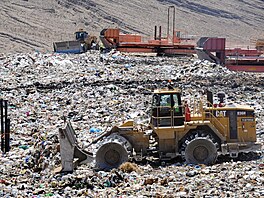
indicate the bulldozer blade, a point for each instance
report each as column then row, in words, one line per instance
column 73, row 47
column 70, row 150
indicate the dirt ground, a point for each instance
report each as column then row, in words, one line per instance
column 28, row 25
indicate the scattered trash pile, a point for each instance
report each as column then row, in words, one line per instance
column 97, row 91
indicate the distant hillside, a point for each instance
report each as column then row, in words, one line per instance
column 28, row 25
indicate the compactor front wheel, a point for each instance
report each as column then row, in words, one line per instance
column 112, row 152
column 200, row 150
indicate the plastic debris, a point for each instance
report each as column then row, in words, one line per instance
column 94, row 130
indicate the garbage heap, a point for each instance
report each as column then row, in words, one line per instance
column 97, row 91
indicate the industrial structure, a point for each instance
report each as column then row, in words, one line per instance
column 171, row 44
column 210, row 48
column 236, row 59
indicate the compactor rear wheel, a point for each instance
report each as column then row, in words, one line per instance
column 113, row 151
column 200, row 150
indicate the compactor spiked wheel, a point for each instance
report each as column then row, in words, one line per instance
column 201, row 150
column 113, row 151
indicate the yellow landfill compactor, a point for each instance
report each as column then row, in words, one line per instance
column 198, row 132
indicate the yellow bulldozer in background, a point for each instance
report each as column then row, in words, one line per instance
column 83, row 42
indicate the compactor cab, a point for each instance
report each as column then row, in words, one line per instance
column 81, row 35
column 167, row 108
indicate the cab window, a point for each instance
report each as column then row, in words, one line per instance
column 165, row 101
column 176, row 103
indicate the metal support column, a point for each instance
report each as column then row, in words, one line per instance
column 155, row 33
column 171, row 9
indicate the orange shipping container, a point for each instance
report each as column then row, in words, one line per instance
column 112, row 33
column 159, row 42
column 129, row 38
